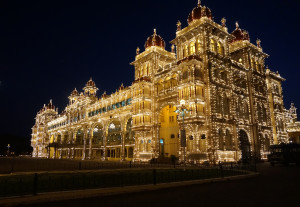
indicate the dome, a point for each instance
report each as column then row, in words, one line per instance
column 75, row 93
column 240, row 34
column 90, row 83
column 198, row 12
column 155, row 40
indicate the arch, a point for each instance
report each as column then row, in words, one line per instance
column 114, row 133
column 98, row 135
column 79, row 136
column 168, row 132
column 129, row 135
column 244, row 145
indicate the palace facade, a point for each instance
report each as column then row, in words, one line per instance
column 234, row 103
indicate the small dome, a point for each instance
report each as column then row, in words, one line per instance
column 240, row 34
column 75, row 93
column 90, row 83
column 155, row 40
column 198, row 12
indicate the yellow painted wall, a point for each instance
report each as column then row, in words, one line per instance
column 169, row 126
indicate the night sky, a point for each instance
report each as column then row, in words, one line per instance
column 47, row 48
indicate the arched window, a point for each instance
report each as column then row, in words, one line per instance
column 228, row 140
column 198, row 45
column 220, row 49
column 192, row 48
column 221, row 139
column 213, row 45
column 185, row 51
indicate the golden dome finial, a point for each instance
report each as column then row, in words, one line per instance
column 137, row 50
column 199, row 3
column 258, row 43
column 223, row 21
column 154, row 35
column 178, row 25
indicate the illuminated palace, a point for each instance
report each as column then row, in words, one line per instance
column 234, row 103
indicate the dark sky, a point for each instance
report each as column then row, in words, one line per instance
column 47, row 48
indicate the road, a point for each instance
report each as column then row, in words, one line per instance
column 276, row 186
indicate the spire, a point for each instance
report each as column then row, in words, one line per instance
column 199, row 3
column 237, row 24
column 137, row 50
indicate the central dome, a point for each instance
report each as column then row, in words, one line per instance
column 198, row 12
column 155, row 40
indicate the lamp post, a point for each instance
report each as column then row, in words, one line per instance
column 8, row 147
column 181, row 111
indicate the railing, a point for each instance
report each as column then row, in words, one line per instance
column 141, row 174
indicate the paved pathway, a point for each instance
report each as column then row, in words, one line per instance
column 276, row 186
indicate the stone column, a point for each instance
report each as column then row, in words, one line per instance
column 60, row 154
column 84, row 146
column 69, row 153
column 73, row 153
column 90, row 145
column 104, row 143
column 123, row 146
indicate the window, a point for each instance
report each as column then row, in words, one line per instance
column 192, row 48
column 198, row 45
column 212, row 45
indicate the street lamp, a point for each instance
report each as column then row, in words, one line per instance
column 181, row 111
column 8, row 147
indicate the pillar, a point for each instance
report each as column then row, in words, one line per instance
column 84, row 146
column 90, row 145
column 123, row 146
